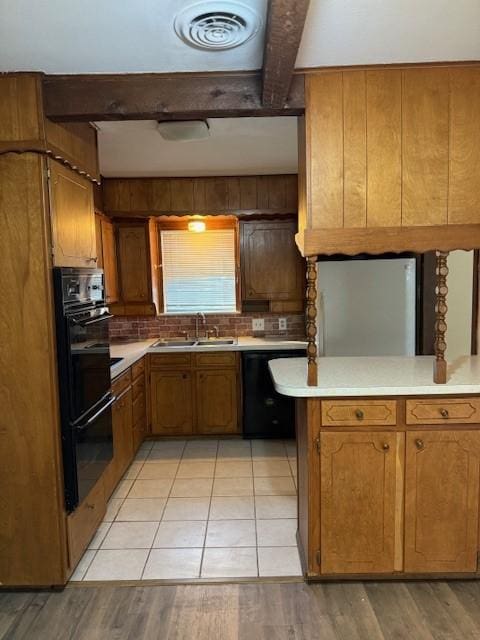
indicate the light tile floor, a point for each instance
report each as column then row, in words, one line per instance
column 200, row 508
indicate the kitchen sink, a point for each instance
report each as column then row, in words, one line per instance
column 174, row 343
column 216, row 341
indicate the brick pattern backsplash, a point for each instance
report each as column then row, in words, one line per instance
column 169, row 326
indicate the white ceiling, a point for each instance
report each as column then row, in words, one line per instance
column 88, row 36
column 236, row 146
column 352, row 32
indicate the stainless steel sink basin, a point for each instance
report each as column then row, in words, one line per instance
column 216, row 342
column 174, row 343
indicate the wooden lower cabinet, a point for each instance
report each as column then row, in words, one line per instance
column 172, row 402
column 194, row 393
column 441, row 501
column 216, row 392
column 122, row 441
column 359, row 476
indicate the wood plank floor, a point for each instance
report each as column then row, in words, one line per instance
column 263, row 611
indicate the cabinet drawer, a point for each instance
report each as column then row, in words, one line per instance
column 122, row 382
column 138, row 369
column 83, row 522
column 224, row 359
column 138, row 387
column 443, row 410
column 139, row 409
column 353, row 413
column 158, row 360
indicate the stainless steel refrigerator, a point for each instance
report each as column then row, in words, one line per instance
column 366, row 307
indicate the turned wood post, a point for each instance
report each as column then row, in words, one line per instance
column 311, row 314
column 441, row 290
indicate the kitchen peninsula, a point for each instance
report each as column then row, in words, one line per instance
column 388, row 466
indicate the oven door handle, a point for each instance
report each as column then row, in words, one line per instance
column 97, row 414
column 105, row 316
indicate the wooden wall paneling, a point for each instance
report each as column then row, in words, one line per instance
column 216, row 194
column 141, row 194
column 182, row 194
column 464, row 186
column 248, row 192
column 116, row 195
column 233, row 194
column 441, row 501
column 21, row 118
column 324, row 95
column 263, row 184
column 384, row 148
column 161, row 194
column 291, row 192
column 32, row 515
column 199, row 195
column 355, row 149
column 76, row 142
column 277, row 193
column 425, row 132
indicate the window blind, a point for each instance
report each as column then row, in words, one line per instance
column 199, row 271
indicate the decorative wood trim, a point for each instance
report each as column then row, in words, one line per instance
column 441, row 291
column 49, row 153
column 311, row 314
column 151, row 96
column 475, row 301
column 384, row 67
column 375, row 240
column 285, row 22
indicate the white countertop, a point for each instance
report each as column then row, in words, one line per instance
column 375, row 376
column 133, row 351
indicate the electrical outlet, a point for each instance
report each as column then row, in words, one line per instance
column 282, row 324
column 258, row 324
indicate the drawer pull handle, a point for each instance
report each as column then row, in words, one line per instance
column 419, row 444
column 359, row 414
column 386, row 446
column 444, row 413
column 89, row 505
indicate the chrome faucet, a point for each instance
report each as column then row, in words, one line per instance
column 198, row 317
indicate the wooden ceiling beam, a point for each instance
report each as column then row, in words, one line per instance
column 162, row 97
column 285, row 22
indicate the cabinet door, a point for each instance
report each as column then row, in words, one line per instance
column 358, row 501
column 271, row 262
column 122, row 441
column 98, row 240
column 216, row 393
column 171, row 402
column 133, row 259
column 441, row 501
column 73, row 218
column 110, row 261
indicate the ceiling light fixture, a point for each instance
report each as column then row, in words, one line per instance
column 217, row 25
column 184, row 130
column 197, row 226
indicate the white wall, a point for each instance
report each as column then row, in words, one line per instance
column 459, row 301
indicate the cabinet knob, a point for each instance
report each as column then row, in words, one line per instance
column 89, row 505
column 386, row 446
column 359, row 414
column 444, row 413
column 419, row 444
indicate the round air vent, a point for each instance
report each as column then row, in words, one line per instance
column 217, row 25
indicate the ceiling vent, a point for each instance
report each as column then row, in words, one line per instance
column 217, row 25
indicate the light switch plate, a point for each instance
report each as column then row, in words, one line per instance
column 282, row 324
column 258, row 324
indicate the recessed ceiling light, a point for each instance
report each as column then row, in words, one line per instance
column 217, row 25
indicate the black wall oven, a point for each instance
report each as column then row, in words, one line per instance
column 83, row 354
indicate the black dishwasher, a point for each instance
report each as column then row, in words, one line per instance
column 266, row 413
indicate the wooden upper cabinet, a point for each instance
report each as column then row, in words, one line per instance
column 137, row 259
column 360, row 498
column 270, row 261
column 389, row 148
column 72, row 218
column 109, row 259
column 217, row 405
column 441, row 501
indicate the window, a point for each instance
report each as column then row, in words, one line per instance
column 199, row 271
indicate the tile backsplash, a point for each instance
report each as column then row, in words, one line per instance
column 169, row 326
